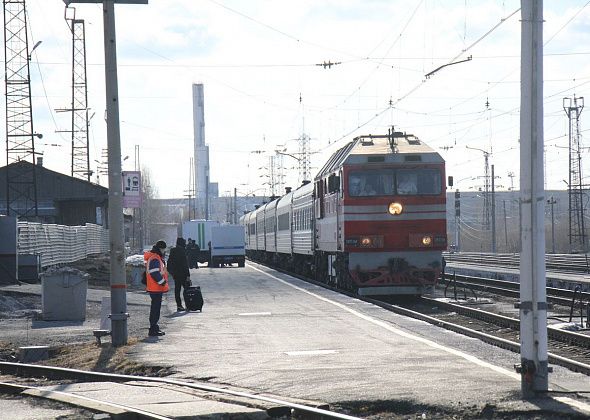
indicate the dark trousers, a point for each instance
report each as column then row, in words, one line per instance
column 178, row 283
column 155, row 310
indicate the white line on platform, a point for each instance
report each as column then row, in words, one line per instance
column 310, row 352
column 255, row 314
column 468, row 357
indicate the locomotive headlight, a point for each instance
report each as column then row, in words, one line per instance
column 427, row 240
column 395, row 209
column 366, row 241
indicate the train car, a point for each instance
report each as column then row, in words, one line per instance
column 249, row 230
column 270, row 228
column 284, row 237
column 302, row 213
column 380, row 218
column 373, row 221
column 260, row 245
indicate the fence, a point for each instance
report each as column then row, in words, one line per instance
column 57, row 244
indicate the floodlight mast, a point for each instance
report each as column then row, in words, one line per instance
column 118, row 282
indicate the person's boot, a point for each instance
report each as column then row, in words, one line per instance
column 180, row 309
column 156, row 333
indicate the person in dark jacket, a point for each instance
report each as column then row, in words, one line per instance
column 192, row 253
column 178, row 267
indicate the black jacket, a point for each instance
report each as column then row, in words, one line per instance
column 177, row 264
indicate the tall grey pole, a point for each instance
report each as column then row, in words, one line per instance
column 235, row 206
column 505, row 227
column 533, row 302
column 118, row 279
column 493, row 211
column 552, row 202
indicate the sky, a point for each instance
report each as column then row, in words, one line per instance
column 264, row 88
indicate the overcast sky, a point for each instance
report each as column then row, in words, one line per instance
column 263, row 88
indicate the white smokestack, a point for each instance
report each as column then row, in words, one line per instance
column 201, row 153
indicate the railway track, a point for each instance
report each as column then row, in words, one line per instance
column 275, row 407
column 92, row 404
column 564, row 344
column 510, row 288
column 565, row 263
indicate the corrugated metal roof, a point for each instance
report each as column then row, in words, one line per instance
column 398, row 145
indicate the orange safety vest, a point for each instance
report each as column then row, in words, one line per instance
column 151, row 284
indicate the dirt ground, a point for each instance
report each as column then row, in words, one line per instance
column 72, row 344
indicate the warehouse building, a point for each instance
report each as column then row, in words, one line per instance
column 62, row 199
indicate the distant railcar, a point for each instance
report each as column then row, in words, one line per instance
column 373, row 221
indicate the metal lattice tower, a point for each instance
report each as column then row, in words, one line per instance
column 272, row 176
column 304, row 158
column 80, row 147
column 279, row 173
column 577, row 232
column 21, row 179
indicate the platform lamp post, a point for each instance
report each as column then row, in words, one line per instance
column 118, row 283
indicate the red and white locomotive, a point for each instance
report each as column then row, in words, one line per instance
column 373, row 221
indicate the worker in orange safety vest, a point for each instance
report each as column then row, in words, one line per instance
column 156, row 283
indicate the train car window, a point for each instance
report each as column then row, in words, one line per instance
column 284, row 221
column 370, row 183
column 418, row 182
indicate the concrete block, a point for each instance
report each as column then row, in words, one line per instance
column 30, row 354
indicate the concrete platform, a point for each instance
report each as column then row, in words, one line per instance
column 269, row 332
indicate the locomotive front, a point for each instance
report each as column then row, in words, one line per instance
column 392, row 227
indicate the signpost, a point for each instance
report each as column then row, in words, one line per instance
column 132, row 197
column 118, row 282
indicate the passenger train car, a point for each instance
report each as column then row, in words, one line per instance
column 373, row 221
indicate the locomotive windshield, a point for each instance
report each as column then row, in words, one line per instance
column 394, row 182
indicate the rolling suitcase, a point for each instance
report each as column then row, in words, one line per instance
column 193, row 299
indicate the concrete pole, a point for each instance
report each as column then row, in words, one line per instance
column 119, row 313
column 505, row 227
column 533, row 304
column 493, row 211
column 552, row 202
column 235, row 206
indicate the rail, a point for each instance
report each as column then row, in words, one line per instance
column 305, row 411
column 58, row 244
column 569, row 263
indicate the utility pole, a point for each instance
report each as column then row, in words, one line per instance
column 533, row 366
column 493, row 212
column 486, row 197
column 511, row 176
column 140, row 242
column 552, row 201
column 577, row 232
column 21, row 178
column 505, row 227
column 119, row 313
column 235, row 206
column 189, row 193
column 458, row 220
